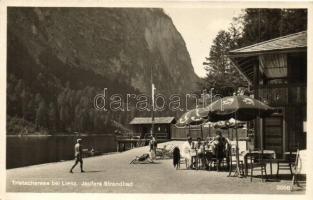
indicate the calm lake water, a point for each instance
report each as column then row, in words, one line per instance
column 31, row 150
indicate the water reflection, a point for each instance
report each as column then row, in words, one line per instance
column 31, row 150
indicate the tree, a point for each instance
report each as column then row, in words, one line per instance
column 64, row 117
column 264, row 24
column 52, row 116
column 31, row 110
column 221, row 74
column 18, row 90
column 42, row 115
column 253, row 26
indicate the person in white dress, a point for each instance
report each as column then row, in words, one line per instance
column 187, row 152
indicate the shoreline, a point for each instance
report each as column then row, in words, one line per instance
column 58, row 135
column 62, row 161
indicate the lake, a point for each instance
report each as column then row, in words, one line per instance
column 31, row 150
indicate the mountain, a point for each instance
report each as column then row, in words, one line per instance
column 58, row 59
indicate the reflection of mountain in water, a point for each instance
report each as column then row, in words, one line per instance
column 31, row 150
column 60, row 58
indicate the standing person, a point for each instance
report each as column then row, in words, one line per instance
column 153, row 146
column 78, row 156
column 186, row 151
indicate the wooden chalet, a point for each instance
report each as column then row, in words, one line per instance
column 277, row 71
column 162, row 127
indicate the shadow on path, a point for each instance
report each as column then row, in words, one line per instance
column 94, row 171
column 90, row 171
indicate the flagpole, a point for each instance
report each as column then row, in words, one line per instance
column 152, row 105
column 152, row 112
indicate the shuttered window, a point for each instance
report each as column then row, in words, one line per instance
column 274, row 65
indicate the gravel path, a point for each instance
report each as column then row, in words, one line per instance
column 113, row 173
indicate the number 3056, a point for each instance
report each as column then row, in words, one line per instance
column 283, row 187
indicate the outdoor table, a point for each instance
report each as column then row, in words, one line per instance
column 289, row 156
column 292, row 153
column 268, row 156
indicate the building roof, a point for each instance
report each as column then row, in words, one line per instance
column 148, row 120
column 288, row 42
column 245, row 58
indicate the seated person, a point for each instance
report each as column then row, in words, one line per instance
column 221, row 148
column 193, row 153
column 201, row 152
column 198, row 144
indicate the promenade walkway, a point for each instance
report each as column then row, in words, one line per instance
column 113, row 173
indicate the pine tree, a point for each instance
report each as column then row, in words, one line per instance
column 264, row 24
column 42, row 115
column 221, row 74
column 253, row 26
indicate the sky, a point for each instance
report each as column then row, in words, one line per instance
column 199, row 27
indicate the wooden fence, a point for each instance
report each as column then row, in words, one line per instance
column 203, row 132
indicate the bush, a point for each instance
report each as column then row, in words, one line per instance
column 17, row 126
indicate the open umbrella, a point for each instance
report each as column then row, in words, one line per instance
column 229, row 124
column 241, row 108
column 193, row 117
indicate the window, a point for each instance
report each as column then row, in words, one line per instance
column 273, row 66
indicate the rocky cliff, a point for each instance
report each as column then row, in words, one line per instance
column 57, row 53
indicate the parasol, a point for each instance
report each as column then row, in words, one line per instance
column 192, row 117
column 241, row 108
column 195, row 116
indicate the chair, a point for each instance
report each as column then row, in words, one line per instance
column 257, row 163
column 189, row 164
column 296, row 171
column 182, row 161
column 286, row 163
column 141, row 159
column 165, row 152
column 242, row 147
column 210, row 160
column 233, row 161
column 194, row 156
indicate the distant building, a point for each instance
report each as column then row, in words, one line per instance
column 277, row 71
column 162, row 127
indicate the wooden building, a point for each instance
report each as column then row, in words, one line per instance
column 277, row 72
column 162, row 127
